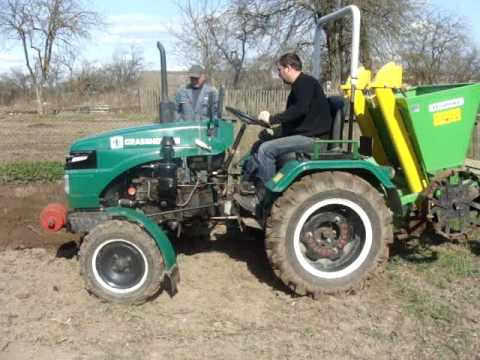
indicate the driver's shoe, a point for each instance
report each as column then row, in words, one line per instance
column 247, row 188
column 247, row 202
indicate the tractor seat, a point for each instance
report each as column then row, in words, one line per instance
column 337, row 111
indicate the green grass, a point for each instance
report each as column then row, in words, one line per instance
column 437, row 287
column 458, row 264
column 27, row 172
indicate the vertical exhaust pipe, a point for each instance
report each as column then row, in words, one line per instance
column 166, row 107
column 221, row 97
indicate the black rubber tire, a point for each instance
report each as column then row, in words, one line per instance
column 133, row 235
column 287, row 212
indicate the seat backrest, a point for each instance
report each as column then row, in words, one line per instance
column 337, row 110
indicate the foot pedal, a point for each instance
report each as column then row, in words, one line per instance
column 247, row 203
column 247, row 188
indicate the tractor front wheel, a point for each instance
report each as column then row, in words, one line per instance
column 328, row 233
column 121, row 263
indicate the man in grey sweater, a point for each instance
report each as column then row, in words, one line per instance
column 192, row 100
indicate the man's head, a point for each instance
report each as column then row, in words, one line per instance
column 289, row 66
column 197, row 76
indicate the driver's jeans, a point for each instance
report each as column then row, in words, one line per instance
column 263, row 160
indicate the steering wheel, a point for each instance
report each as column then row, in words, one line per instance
column 244, row 117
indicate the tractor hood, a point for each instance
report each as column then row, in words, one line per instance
column 149, row 137
column 94, row 162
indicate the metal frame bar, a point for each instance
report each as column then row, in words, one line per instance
column 354, row 11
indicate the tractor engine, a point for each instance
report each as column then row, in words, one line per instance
column 172, row 189
column 154, row 184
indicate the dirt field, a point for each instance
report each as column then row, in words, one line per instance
column 30, row 138
column 229, row 305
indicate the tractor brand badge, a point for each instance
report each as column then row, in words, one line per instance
column 116, row 142
column 444, row 105
column 142, row 141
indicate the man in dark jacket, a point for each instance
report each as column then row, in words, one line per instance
column 307, row 116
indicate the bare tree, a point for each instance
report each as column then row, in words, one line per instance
column 13, row 85
column 125, row 69
column 194, row 43
column 437, row 48
column 67, row 59
column 88, row 79
column 293, row 22
column 464, row 67
column 221, row 35
column 242, row 32
column 121, row 73
column 21, row 80
column 44, row 28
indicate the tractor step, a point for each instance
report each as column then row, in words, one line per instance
column 251, row 223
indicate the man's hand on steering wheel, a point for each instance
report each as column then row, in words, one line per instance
column 264, row 118
column 249, row 119
column 266, row 134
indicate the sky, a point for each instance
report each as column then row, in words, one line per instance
column 128, row 23
column 142, row 23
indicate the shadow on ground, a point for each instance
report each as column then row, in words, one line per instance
column 417, row 250
column 247, row 246
column 68, row 250
column 474, row 246
column 421, row 249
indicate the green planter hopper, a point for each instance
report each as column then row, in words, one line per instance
column 440, row 120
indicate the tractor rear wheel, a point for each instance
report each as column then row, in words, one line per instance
column 328, row 233
column 121, row 263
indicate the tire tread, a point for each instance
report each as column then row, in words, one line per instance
column 283, row 209
column 135, row 231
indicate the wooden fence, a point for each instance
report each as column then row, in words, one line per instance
column 253, row 101
column 249, row 100
column 148, row 100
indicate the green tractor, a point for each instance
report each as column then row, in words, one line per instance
column 329, row 215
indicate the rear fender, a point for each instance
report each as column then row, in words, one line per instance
column 293, row 169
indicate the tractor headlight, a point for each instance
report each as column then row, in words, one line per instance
column 66, row 184
column 81, row 160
